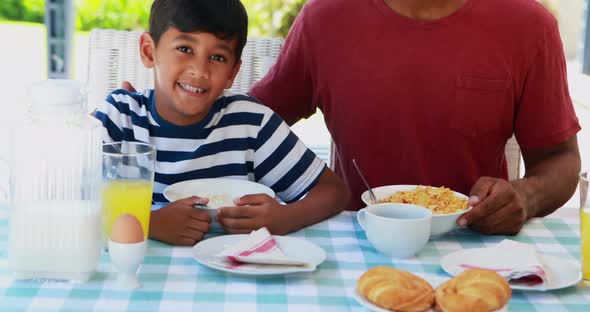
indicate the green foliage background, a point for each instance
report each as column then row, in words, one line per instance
column 22, row 10
column 272, row 18
column 268, row 18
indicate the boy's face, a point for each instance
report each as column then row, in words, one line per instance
column 191, row 70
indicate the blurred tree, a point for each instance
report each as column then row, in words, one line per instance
column 115, row 14
column 289, row 16
column 267, row 18
column 23, row 10
column 12, row 9
column 272, row 18
column 34, row 10
column 551, row 5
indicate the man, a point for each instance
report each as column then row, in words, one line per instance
column 429, row 91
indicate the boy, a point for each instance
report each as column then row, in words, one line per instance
column 202, row 131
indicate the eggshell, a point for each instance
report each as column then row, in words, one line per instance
column 127, row 229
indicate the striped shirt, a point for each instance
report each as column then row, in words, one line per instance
column 239, row 138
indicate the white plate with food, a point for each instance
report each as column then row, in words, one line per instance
column 564, row 273
column 375, row 308
column 207, row 253
column 369, row 305
column 446, row 205
column 220, row 191
column 433, row 280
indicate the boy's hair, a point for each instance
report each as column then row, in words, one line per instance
column 226, row 19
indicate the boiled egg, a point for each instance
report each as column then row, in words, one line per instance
column 127, row 229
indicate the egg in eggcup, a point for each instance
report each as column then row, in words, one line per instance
column 127, row 247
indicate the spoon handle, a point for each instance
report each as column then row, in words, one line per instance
column 371, row 194
column 201, row 205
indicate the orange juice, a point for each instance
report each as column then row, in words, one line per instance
column 585, row 241
column 126, row 196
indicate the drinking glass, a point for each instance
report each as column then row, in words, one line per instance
column 128, row 178
column 584, row 226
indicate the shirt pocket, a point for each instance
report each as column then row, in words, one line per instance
column 482, row 106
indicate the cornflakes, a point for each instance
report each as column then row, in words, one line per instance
column 440, row 200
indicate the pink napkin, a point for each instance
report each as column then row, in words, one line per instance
column 260, row 248
column 519, row 263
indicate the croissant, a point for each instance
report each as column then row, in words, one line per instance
column 397, row 290
column 473, row 291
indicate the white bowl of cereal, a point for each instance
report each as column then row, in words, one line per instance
column 446, row 205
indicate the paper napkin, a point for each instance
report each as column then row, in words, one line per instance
column 260, row 248
column 518, row 263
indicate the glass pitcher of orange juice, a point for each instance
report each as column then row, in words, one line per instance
column 128, row 177
column 585, row 226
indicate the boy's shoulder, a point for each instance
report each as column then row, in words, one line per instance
column 238, row 102
column 123, row 96
column 122, row 93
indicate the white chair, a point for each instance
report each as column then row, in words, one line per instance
column 113, row 56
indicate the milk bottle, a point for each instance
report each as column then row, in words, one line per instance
column 54, row 186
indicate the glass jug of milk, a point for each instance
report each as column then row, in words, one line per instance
column 55, row 167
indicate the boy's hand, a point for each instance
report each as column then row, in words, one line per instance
column 253, row 212
column 179, row 223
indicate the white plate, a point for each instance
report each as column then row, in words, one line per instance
column 434, row 280
column 369, row 305
column 375, row 308
column 206, row 253
column 232, row 187
column 564, row 273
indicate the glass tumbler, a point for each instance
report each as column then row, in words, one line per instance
column 128, row 178
column 584, row 226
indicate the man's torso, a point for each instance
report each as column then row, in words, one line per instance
column 421, row 102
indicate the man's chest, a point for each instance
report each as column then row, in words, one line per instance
column 465, row 86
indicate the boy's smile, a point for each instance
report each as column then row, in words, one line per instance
column 191, row 70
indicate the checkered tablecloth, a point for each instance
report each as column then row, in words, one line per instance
column 173, row 281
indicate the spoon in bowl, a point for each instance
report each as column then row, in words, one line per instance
column 373, row 198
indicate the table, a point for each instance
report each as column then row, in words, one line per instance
column 173, row 280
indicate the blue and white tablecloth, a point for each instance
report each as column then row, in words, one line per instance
column 173, row 281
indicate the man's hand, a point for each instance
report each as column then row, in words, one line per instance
column 253, row 212
column 127, row 86
column 179, row 223
column 502, row 207
column 498, row 208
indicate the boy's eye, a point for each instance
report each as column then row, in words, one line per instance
column 218, row 58
column 184, row 49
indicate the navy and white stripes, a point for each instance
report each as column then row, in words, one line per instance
column 239, row 139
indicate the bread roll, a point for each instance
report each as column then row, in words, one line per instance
column 473, row 291
column 397, row 290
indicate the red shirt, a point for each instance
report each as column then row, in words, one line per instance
column 424, row 102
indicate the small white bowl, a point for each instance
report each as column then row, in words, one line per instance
column 441, row 223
